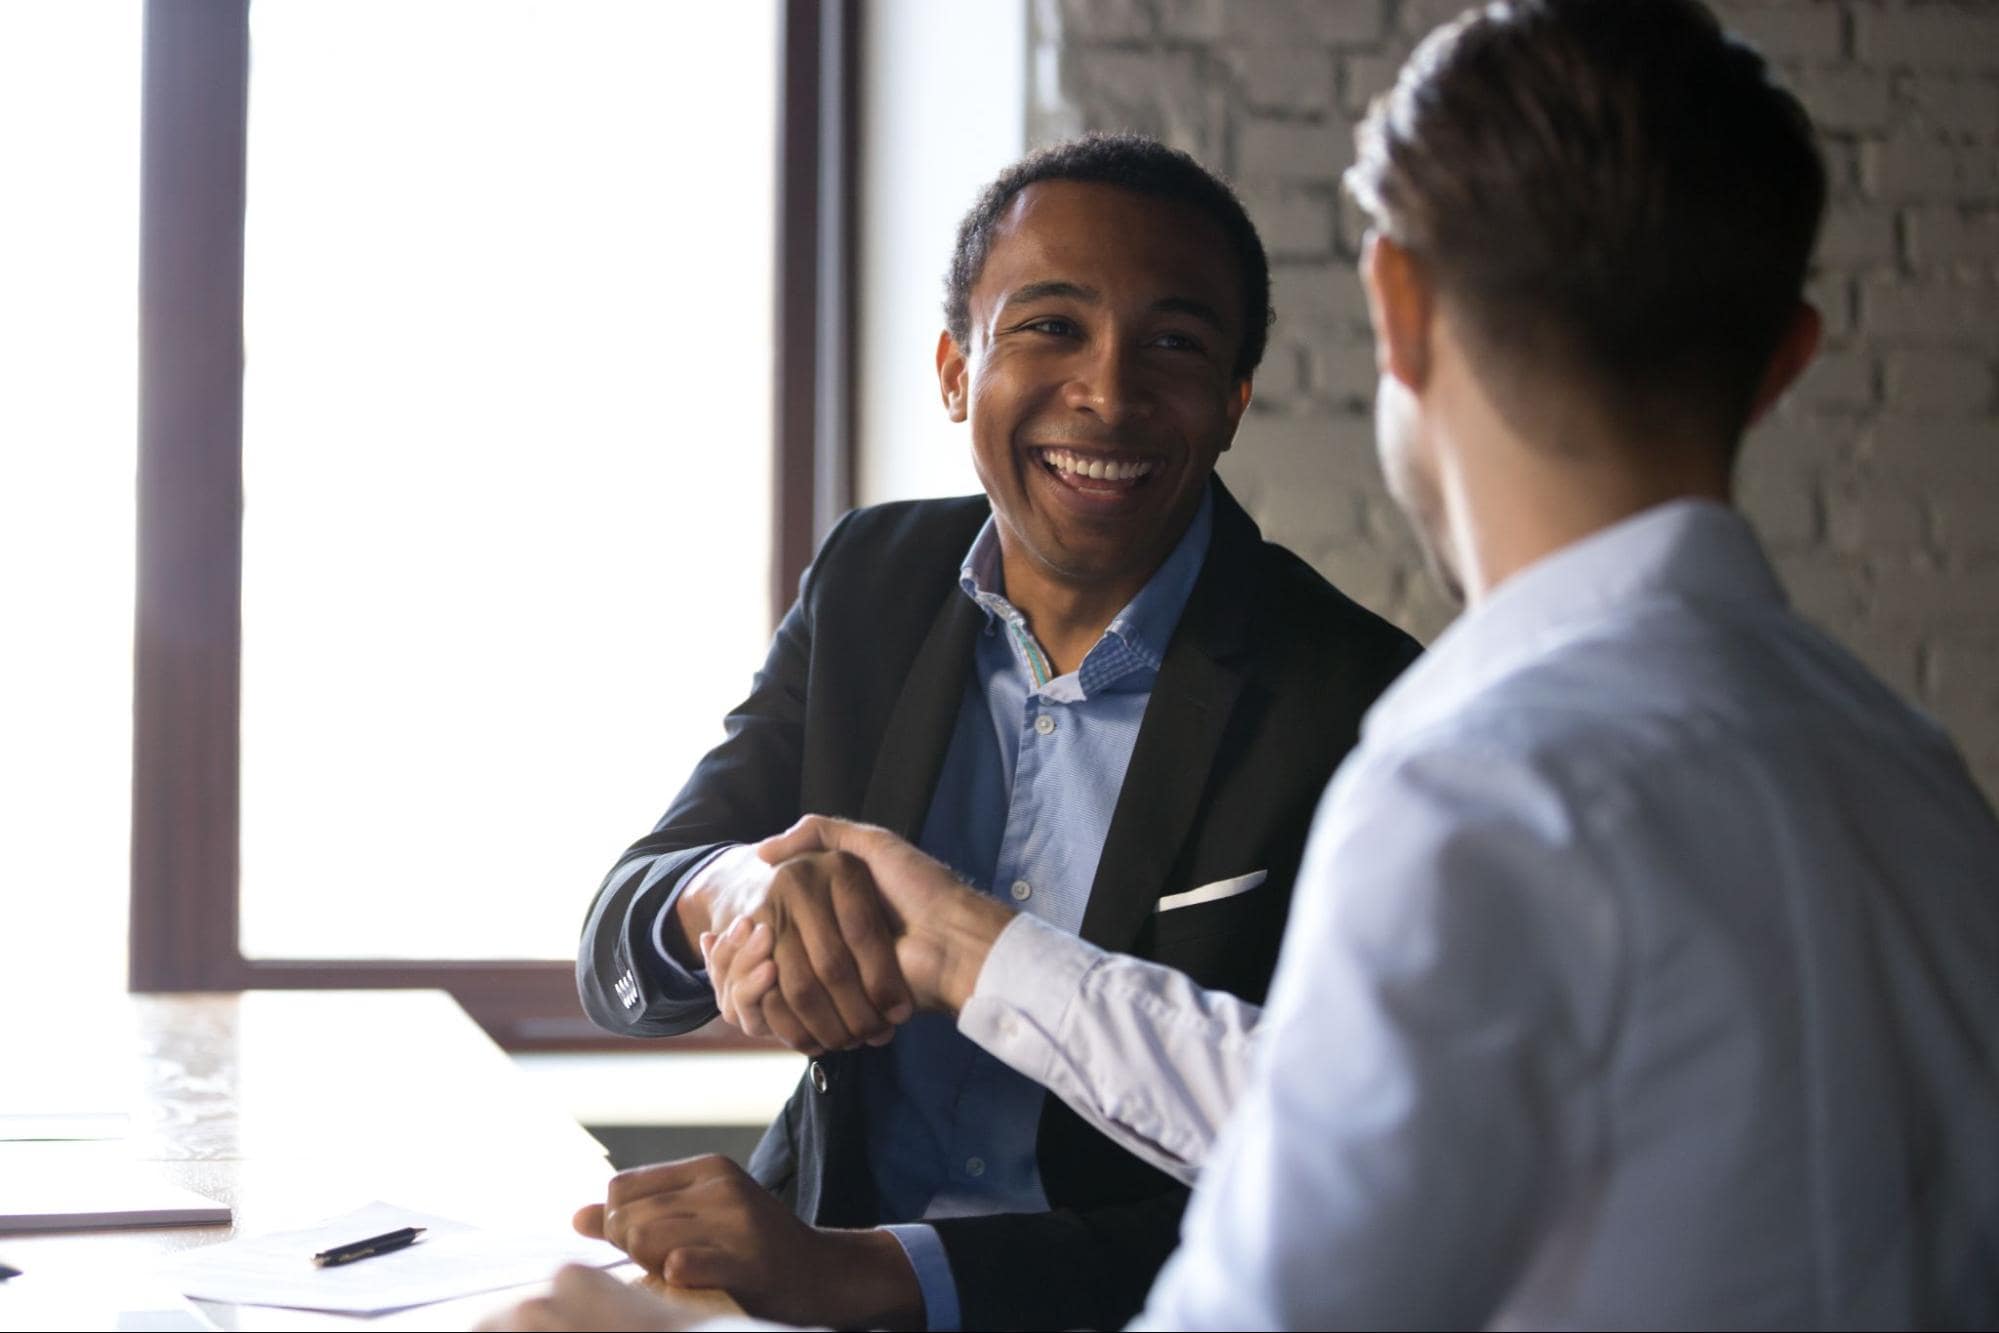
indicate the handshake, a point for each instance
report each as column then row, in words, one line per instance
column 831, row 934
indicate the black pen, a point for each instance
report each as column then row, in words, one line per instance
column 361, row 1249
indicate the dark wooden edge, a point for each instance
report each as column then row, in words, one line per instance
column 812, row 466
column 523, row 1005
column 190, row 493
column 188, row 641
column 839, row 184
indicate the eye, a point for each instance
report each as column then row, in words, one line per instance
column 1055, row 325
column 1179, row 342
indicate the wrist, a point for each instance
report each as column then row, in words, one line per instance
column 869, row 1282
column 706, row 902
column 963, row 932
column 690, row 918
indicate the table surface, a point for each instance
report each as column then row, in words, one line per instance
column 293, row 1107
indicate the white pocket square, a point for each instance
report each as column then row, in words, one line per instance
column 1208, row 893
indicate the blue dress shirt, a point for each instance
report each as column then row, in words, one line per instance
column 1022, row 806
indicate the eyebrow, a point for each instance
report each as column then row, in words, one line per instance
column 1187, row 305
column 1043, row 291
column 1059, row 289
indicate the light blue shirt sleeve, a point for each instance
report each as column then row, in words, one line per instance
column 933, row 1274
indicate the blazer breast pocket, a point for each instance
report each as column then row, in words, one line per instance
column 1211, row 893
column 1218, row 907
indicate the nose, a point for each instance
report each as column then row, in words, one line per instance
column 1109, row 383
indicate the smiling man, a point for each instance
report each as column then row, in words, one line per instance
column 1094, row 691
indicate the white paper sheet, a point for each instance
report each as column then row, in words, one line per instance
column 451, row 1259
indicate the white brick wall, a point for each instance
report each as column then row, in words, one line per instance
column 1876, row 485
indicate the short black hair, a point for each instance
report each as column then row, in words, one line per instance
column 1128, row 162
column 1618, row 183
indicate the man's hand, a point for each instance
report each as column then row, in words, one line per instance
column 581, row 1299
column 838, row 984
column 704, row 1222
column 943, row 928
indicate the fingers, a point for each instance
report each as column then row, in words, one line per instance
column 823, row 1005
column 802, row 837
column 800, row 1012
column 906, row 877
column 589, row 1221
column 653, row 1210
column 739, row 971
column 701, row 1202
column 649, row 1235
column 750, row 991
column 833, row 980
column 823, row 833
column 702, row 1266
column 848, row 947
column 864, row 929
column 657, row 1180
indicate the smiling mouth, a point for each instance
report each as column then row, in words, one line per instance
column 1094, row 473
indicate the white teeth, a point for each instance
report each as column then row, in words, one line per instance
column 1097, row 469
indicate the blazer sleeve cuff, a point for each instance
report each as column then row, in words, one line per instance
column 621, row 976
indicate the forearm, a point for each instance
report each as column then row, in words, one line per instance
column 1135, row 1048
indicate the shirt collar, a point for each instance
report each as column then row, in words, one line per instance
column 1684, row 550
column 1145, row 625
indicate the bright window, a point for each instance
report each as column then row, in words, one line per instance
column 506, row 454
column 69, row 152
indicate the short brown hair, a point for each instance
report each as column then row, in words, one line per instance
column 1616, row 183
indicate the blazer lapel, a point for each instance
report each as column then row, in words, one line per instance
column 922, row 722
column 1199, row 680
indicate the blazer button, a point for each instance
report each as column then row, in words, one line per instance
column 818, row 1073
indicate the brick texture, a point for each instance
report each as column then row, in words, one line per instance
column 1875, row 484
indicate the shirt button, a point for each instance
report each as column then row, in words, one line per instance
column 1044, row 724
column 1021, row 890
column 975, row 1166
column 818, row 1073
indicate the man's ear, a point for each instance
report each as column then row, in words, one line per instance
column 1238, row 403
column 1794, row 352
column 951, row 372
column 1400, row 301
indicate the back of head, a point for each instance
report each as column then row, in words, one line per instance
column 1611, row 190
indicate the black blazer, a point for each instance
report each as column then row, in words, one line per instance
column 1259, row 696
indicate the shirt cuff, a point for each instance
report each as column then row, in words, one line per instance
column 676, row 982
column 926, row 1254
column 1020, row 1005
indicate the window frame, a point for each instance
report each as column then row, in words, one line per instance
column 188, row 631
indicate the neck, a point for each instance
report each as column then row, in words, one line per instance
column 1067, row 617
column 1511, row 500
